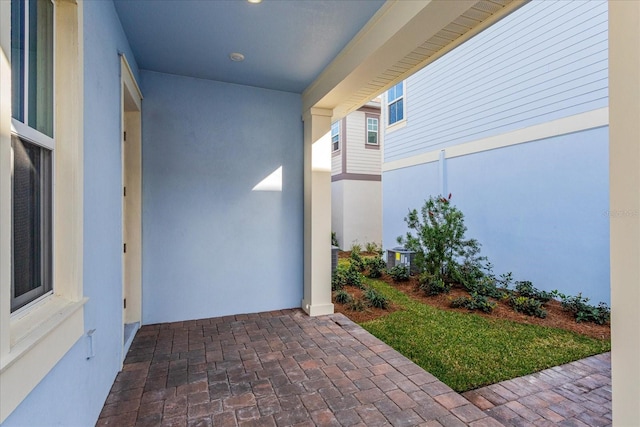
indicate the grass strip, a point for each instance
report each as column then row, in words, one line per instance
column 467, row 351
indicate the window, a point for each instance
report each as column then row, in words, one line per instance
column 395, row 101
column 335, row 136
column 32, row 147
column 372, row 130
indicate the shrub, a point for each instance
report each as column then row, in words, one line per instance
column 376, row 266
column 486, row 286
column 373, row 248
column 526, row 289
column 356, row 247
column 399, row 273
column 527, row 305
column 338, row 279
column 474, row 302
column 376, row 299
column 356, row 261
column 341, row 296
column 582, row 311
column 439, row 240
column 353, row 277
column 432, row 285
column 505, row 280
column 334, row 239
column 357, row 304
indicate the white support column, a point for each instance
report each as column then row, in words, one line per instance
column 317, row 212
column 624, row 185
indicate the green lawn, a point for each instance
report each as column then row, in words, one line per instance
column 467, row 351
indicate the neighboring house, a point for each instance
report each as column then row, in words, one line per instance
column 356, row 190
column 146, row 177
column 514, row 124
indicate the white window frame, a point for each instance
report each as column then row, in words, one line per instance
column 335, row 133
column 35, row 337
column 397, row 99
column 377, row 131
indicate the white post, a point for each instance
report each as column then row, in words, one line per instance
column 624, row 185
column 317, row 212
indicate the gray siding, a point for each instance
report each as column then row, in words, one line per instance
column 546, row 61
column 360, row 159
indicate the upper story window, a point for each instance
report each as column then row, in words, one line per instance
column 32, row 148
column 372, row 130
column 395, row 103
column 335, row 136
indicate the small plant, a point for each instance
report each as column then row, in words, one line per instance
column 334, row 239
column 353, row 277
column 341, row 296
column 474, row 302
column 433, row 285
column 357, row 304
column 338, row 279
column 526, row 289
column 376, row 267
column 505, row 280
column 376, row 299
column 356, row 247
column 486, row 286
column 373, row 248
column 582, row 311
column 399, row 273
column 527, row 305
column 356, row 261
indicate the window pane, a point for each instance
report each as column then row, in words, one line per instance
column 392, row 113
column 17, row 59
column 399, row 111
column 31, row 222
column 40, row 98
column 372, row 137
column 399, row 90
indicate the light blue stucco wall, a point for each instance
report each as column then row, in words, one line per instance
column 211, row 246
column 73, row 393
column 546, row 61
column 539, row 209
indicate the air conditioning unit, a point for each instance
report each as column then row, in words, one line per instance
column 334, row 258
column 401, row 256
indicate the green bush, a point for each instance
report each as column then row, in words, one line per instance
column 373, row 248
column 582, row 311
column 486, row 286
column 338, row 279
column 527, row 305
column 356, row 261
column 399, row 273
column 474, row 302
column 526, row 289
column 341, row 296
column 376, row 299
column 334, row 239
column 376, row 267
column 356, row 247
column 357, row 304
column 439, row 241
column 433, row 285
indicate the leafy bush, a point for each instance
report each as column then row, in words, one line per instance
column 353, row 277
column 505, row 280
column 399, row 273
column 582, row 311
column 341, row 296
column 376, row 266
column 356, row 247
column 439, row 240
column 526, row 289
column 357, row 304
column 527, row 305
column 373, row 248
column 346, row 276
column 334, row 239
column 356, row 261
column 486, row 286
column 376, row 299
column 474, row 302
column 432, row 285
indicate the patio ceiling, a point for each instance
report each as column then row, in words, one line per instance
column 338, row 54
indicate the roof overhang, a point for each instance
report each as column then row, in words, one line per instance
column 400, row 39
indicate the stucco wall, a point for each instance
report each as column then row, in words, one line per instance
column 211, row 245
column 73, row 393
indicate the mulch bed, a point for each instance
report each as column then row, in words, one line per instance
column 556, row 316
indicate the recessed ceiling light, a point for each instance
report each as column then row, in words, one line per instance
column 254, row 1
column 236, row 57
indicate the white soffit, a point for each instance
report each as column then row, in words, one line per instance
column 400, row 39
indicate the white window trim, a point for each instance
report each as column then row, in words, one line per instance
column 400, row 123
column 35, row 338
column 339, row 123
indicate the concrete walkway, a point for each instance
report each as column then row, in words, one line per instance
column 284, row 368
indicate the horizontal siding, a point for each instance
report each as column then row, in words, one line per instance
column 360, row 159
column 546, row 61
column 336, row 164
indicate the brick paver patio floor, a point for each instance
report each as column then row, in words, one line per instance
column 284, row 368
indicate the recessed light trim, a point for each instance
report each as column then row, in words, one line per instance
column 236, row 57
column 255, row 1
